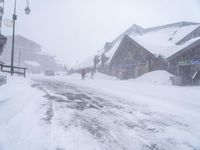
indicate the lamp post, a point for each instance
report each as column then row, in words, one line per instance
column 14, row 18
column 1, row 13
column 27, row 9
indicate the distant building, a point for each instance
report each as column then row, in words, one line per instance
column 29, row 54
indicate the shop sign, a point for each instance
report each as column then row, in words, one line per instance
column 195, row 62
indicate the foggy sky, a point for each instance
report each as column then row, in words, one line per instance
column 75, row 29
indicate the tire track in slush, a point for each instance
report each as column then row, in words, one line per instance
column 108, row 119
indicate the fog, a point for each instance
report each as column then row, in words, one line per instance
column 75, row 29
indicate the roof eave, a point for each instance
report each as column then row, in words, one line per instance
column 188, row 47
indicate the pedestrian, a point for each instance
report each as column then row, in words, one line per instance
column 83, row 73
column 92, row 74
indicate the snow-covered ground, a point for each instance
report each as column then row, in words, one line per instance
column 20, row 113
column 153, row 89
column 67, row 113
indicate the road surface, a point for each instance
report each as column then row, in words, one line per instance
column 82, row 118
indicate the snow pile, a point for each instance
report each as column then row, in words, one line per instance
column 160, row 77
column 97, row 76
column 102, row 76
column 20, row 118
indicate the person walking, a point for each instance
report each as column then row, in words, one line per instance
column 83, row 73
column 92, row 74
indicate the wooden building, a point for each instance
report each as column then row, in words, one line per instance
column 186, row 63
column 131, row 60
column 138, row 50
column 173, row 47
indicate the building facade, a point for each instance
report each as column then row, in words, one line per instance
column 131, row 60
column 186, row 63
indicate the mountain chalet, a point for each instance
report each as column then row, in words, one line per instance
column 173, row 47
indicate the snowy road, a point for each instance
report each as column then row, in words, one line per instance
column 82, row 118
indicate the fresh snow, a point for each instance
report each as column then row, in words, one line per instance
column 32, row 63
column 155, row 77
column 112, row 51
column 20, row 114
column 181, row 32
column 159, row 43
column 107, row 113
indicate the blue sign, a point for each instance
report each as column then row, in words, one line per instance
column 189, row 62
column 127, row 66
column 195, row 62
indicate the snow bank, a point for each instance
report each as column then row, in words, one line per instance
column 103, row 76
column 20, row 116
column 160, row 77
column 97, row 76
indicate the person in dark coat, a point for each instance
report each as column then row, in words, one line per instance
column 92, row 74
column 83, row 73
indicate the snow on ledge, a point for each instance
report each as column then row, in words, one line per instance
column 32, row 63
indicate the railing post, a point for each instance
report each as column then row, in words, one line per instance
column 24, row 73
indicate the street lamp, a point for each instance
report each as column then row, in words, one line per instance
column 27, row 9
column 14, row 17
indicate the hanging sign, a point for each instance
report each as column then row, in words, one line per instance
column 8, row 22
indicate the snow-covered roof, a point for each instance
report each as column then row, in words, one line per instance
column 111, row 52
column 161, row 41
column 22, row 42
column 32, row 63
column 85, row 64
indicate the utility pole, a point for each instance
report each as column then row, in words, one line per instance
column 27, row 11
column 13, row 38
